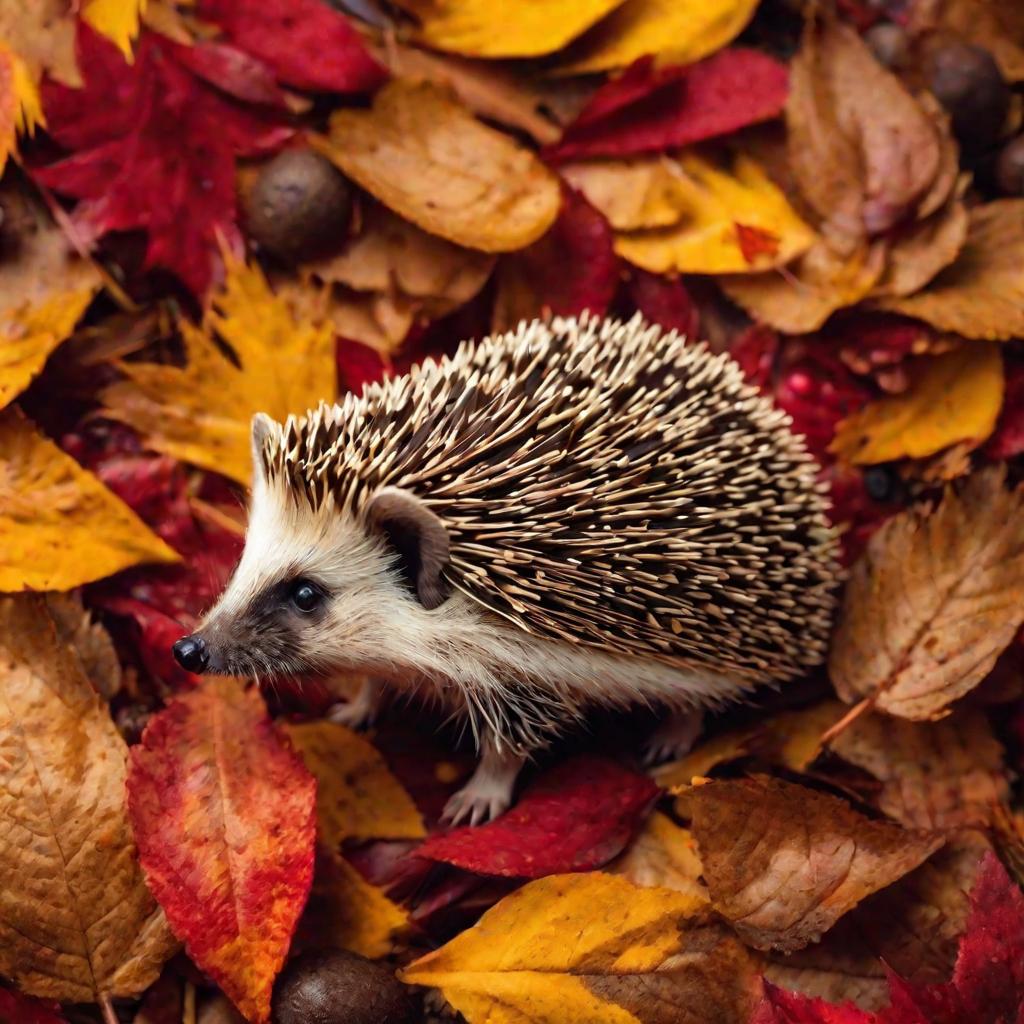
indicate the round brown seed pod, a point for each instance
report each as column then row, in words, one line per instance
column 1010, row 168
column 966, row 80
column 298, row 205
column 337, row 987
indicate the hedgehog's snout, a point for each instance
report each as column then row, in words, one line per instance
column 191, row 653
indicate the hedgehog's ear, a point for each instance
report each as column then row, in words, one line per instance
column 418, row 536
column 262, row 428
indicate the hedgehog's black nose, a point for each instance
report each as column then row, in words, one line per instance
column 191, row 654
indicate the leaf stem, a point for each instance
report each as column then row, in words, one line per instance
column 109, row 1017
column 845, row 722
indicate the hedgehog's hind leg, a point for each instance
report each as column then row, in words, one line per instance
column 675, row 736
column 489, row 790
column 361, row 711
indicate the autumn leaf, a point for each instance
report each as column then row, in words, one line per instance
column 18, row 1009
column 409, row 151
column 576, row 817
column 783, row 863
column 937, row 595
column 706, row 240
column 676, row 30
column 662, row 854
column 477, row 28
column 934, row 775
column 72, row 928
column 224, row 816
column 42, row 35
column 992, row 24
column 1007, row 439
column 118, row 20
column 201, row 412
column 664, row 301
column 571, row 949
column 169, row 134
column 59, row 526
column 980, row 294
column 571, row 269
column 647, row 110
column 8, row 105
column 399, row 275
column 88, row 640
column 306, row 43
column 357, row 796
column 952, row 397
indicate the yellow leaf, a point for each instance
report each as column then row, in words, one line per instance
column 981, row 293
column 706, row 240
column 8, row 106
column 357, row 796
column 677, row 31
column 347, row 912
column 527, row 28
column 577, row 949
column 663, row 854
column 201, row 412
column 118, row 20
column 424, row 155
column 59, row 526
column 633, row 193
column 954, row 397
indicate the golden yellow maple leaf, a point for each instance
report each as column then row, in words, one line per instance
column 678, row 31
column 118, row 20
column 527, row 28
column 720, row 202
column 573, row 949
column 953, row 397
column 59, row 526
column 201, row 412
column 425, row 156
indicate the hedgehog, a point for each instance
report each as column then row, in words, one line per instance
column 575, row 514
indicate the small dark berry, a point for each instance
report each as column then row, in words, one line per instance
column 298, row 206
column 1010, row 168
column 966, row 80
column 888, row 42
column 880, row 483
column 335, row 987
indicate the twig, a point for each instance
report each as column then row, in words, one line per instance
column 846, row 721
column 188, row 1013
column 109, row 1017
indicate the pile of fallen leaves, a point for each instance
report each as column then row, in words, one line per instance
column 216, row 207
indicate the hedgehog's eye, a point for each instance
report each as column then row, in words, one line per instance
column 305, row 596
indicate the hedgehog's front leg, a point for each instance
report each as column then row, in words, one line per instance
column 361, row 711
column 489, row 791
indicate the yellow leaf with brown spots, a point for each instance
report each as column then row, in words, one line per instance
column 423, row 154
column 783, row 863
column 59, row 526
column 981, row 293
column 662, row 854
column 676, row 31
column 575, row 949
column 201, row 412
column 935, row 598
column 952, row 397
column 527, row 28
column 357, row 796
column 715, row 199
column 77, row 922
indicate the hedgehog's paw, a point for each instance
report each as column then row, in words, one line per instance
column 489, row 792
column 361, row 711
column 675, row 737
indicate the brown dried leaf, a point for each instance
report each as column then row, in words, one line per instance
column 76, row 919
column 801, row 297
column 863, row 150
column 934, row 599
column 663, row 854
column 423, row 154
column 980, row 294
column 89, row 641
column 783, row 863
column 934, row 775
column 996, row 25
column 42, row 34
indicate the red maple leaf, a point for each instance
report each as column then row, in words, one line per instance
column 987, row 986
column 646, row 109
column 154, row 148
column 575, row 818
column 754, row 242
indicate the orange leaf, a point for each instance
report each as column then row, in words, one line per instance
column 224, row 817
column 756, row 242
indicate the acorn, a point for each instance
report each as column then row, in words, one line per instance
column 1010, row 168
column 336, row 987
column 298, row 205
column 966, row 80
column 889, row 43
